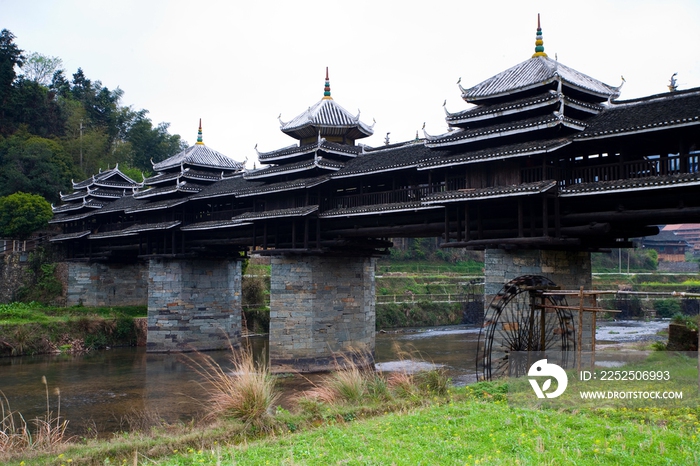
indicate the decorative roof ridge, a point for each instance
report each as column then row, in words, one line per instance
column 654, row 97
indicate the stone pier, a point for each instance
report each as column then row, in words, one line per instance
column 569, row 270
column 321, row 311
column 193, row 304
column 106, row 284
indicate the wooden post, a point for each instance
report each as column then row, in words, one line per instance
column 579, row 330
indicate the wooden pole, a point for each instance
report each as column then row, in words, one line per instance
column 579, row 331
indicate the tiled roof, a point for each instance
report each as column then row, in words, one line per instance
column 301, row 183
column 647, row 114
column 214, row 225
column 187, row 173
column 135, row 229
column 149, row 206
column 489, row 193
column 108, row 178
column 201, row 156
column 484, row 112
column 388, row 159
column 87, row 203
column 183, row 186
column 497, row 153
column 296, row 167
column 375, row 209
column 297, row 151
column 293, row 212
column 328, row 118
column 637, row 184
column 536, row 72
column 226, row 187
column 68, row 236
column 461, row 136
column 61, row 218
column 106, row 193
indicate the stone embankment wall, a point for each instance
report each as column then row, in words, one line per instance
column 98, row 284
column 13, row 267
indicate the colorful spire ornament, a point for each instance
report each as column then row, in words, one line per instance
column 539, row 43
column 199, row 134
column 327, row 88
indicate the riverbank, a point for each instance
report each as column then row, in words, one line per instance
column 30, row 328
column 469, row 425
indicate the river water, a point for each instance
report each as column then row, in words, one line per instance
column 109, row 391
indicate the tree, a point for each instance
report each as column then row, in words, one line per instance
column 10, row 56
column 36, row 165
column 41, row 68
column 149, row 143
column 21, row 214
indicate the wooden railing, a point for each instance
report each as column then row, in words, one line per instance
column 381, row 197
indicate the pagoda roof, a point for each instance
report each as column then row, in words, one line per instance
column 199, row 175
column 136, row 229
column 652, row 113
column 497, row 153
column 388, row 159
column 107, row 193
column 305, row 165
column 327, row 118
column 159, row 205
column 463, row 136
column 199, row 155
column 69, row 236
column 87, row 204
column 294, row 151
column 112, row 178
column 536, row 72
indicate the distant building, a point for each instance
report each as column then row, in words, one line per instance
column 689, row 232
column 669, row 246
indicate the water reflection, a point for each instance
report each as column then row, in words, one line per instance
column 100, row 390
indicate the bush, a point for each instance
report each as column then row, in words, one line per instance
column 667, row 307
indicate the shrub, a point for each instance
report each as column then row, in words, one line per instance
column 667, row 307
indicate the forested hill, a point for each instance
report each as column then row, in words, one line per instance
column 55, row 127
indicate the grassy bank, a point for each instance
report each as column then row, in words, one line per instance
column 470, row 425
column 30, row 328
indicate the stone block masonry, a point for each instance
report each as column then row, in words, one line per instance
column 321, row 311
column 568, row 269
column 193, row 305
column 100, row 284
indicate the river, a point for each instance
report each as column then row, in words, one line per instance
column 113, row 390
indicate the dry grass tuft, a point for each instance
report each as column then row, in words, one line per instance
column 247, row 393
column 350, row 382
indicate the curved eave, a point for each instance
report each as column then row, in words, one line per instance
column 495, row 192
column 465, row 137
column 502, row 110
column 634, row 185
column 377, row 209
column 282, row 187
column 488, row 156
column 69, row 236
column 278, row 213
column 651, row 127
column 354, row 132
column 214, row 225
column 287, row 153
column 297, row 168
column 199, row 155
column 156, row 206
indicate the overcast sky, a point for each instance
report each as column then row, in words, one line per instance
column 239, row 65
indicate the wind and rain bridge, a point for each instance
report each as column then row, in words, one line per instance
column 544, row 166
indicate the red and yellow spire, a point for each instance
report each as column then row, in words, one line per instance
column 199, row 134
column 539, row 43
column 327, row 88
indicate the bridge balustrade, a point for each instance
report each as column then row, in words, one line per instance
column 381, row 197
column 656, row 166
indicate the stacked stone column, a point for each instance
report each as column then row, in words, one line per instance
column 321, row 311
column 193, row 304
column 100, row 284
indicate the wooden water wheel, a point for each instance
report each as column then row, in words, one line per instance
column 521, row 318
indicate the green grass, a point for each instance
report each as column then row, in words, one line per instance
column 24, row 313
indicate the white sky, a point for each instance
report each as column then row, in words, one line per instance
column 238, row 65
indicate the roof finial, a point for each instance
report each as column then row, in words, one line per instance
column 327, row 88
column 539, row 43
column 199, row 134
